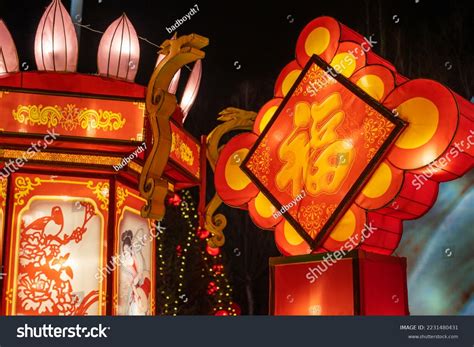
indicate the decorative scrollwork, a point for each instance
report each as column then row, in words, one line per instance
column 24, row 186
column 101, row 191
column 68, row 117
column 122, row 194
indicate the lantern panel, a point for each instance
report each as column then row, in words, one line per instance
column 57, row 249
column 134, row 255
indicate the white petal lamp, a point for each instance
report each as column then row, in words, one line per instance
column 56, row 46
column 8, row 54
column 191, row 90
column 173, row 87
column 119, row 51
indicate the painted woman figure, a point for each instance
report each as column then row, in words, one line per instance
column 134, row 264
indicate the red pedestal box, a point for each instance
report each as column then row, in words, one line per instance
column 355, row 283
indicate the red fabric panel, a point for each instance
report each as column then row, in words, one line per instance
column 330, row 294
column 383, row 286
column 73, row 83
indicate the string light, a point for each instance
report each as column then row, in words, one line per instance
column 218, row 290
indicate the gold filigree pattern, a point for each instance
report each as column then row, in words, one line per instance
column 140, row 105
column 319, row 79
column 376, row 128
column 181, row 149
column 312, row 216
column 3, row 191
column 9, row 296
column 23, row 187
column 122, row 194
column 69, row 117
column 198, row 151
column 101, row 190
column 259, row 163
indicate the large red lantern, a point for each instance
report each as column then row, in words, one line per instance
column 73, row 150
column 347, row 142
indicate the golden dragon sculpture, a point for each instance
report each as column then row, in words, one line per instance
column 234, row 119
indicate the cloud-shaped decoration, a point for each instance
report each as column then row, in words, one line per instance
column 436, row 146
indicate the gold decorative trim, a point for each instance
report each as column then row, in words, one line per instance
column 181, row 149
column 102, row 191
column 140, row 105
column 3, row 191
column 135, row 167
column 122, row 194
column 24, row 187
column 68, row 117
column 69, row 158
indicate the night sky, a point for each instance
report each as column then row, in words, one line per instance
column 430, row 39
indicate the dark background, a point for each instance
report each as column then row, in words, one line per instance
column 431, row 39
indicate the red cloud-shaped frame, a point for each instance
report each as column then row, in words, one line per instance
column 436, row 146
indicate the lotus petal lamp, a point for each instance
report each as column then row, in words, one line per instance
column 56, row 46
column 119, row 51
column 173, row 87
column 191, row 90
column 8, row 54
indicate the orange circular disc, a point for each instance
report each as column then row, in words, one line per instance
column 263, row 213
column 376, row 80
column 287, row 78
column 288, row 241
column 320, row 37
column 431, row 112
column 232, row 185
column 349, row 58
column 265, row 114
column 382, row 187
column 347, row 233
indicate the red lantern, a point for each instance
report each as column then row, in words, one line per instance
column 218, row 268
column 202, row 233
column 221, row 313
column 175, row 200
column 213, row 251
column 212, row 288
column 179, row 250
column 236, row 308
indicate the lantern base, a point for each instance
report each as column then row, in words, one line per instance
column 355, row 283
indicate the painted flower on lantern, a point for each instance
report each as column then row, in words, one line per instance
column 36, row 293
column 340, row 138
